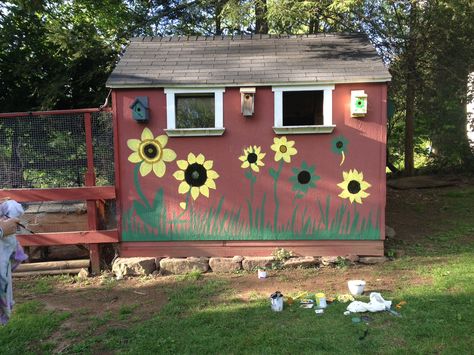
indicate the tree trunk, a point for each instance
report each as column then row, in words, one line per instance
column 410, row 77
column 261, row 23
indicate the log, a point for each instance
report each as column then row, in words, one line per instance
column 53, row 265
column 46, row 272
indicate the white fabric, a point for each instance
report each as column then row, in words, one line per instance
column 376, row 304
column 11, row 209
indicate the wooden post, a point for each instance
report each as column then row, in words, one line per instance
column 94, row 251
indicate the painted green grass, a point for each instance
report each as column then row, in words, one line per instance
column 150, row 223
column 29, row 328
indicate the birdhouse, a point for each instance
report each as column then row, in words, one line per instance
column 247, row 99
column 140, row 109
column 358, row 103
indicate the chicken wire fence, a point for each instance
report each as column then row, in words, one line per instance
column 49, row 150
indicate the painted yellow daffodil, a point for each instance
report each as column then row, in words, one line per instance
column 353, row 187
column 283, row 149
column 151, row 153
column 252, row 158
column 195, row 175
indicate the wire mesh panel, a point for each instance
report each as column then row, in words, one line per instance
column 49, row 150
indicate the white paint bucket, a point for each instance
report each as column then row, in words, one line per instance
column 262, row 274
column 356, row 287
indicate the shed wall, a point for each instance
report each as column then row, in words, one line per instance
column 263, row 206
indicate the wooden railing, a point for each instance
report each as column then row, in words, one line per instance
column 90, row 193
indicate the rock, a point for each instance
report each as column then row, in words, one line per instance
column 329, row 260
column 252, row 262
column 179, row 266
column 83, row 273
column 390, row 232
column 304, row 261
column 225, row 264
column 133, row 266
column 372, row 260
column 352, row 258
column 238, row 259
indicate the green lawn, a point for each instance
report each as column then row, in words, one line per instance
column 208, row 315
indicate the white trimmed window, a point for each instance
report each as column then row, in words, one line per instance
column 195, row 112
column 303, row 109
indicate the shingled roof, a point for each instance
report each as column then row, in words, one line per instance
column 248, row 60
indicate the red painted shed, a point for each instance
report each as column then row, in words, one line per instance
column 237, row 145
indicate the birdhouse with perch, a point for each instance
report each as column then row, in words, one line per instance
column 140, row 109
column 358, row 103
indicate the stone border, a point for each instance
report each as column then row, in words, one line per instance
column 177, row 266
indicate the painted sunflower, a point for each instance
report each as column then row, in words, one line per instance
column 151, row 153
column 283, row 149
column 353, row 187
column 339, row 146
column 252, row 158
column 304, row 178
column 195, row 176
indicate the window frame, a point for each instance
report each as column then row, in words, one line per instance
column 326, row 127
column 218, row 128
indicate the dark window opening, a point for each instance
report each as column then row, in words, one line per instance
column 195, row 111
column 303, row 108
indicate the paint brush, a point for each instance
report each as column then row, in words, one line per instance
column 22, row 226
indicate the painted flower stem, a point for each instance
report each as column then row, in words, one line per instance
column 276, row 176
column 138, row 187
column 253, row 179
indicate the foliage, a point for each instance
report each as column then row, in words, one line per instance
column 281, row 254
column 56, row 54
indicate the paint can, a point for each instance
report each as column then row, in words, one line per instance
column 262, row 274
column 321, row 300
column 276, row 299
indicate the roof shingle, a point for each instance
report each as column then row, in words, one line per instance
column 247, row 60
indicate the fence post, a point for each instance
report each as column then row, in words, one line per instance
column 94, row 252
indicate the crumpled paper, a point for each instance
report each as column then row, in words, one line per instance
column 376, row 304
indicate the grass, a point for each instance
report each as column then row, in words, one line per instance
column 205, row 315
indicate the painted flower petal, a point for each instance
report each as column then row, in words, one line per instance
column 344, row 194
column 204, row 190
column 162, row 140
column 243, row 158
column 210, row 184
column 133, row 144
column 287, row 158
column 364, row 185
column 168, row 155
column 200, row 159
column 183, row 205
column 159, row 168
column 145, row 169
column 179, row 175
column 194, row 192
column 245, row 164
column 191, row 158
column 255, row 168
column 134, row 158
column 212, row 174
column 182, row 164
column 290, row 144
column 146, row 134
column 260, row 163
column 183, row 187
column 292, row 151
column 208, row 164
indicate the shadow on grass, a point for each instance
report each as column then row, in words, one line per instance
column 433, row 321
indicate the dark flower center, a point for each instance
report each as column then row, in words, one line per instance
column 353, row 187
column 339, row 145
column 252, row 158
column 283, row 149
column 150, row 151
column 195, row 175
column 304, row 177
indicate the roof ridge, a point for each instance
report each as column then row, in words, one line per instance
column 189, row 38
